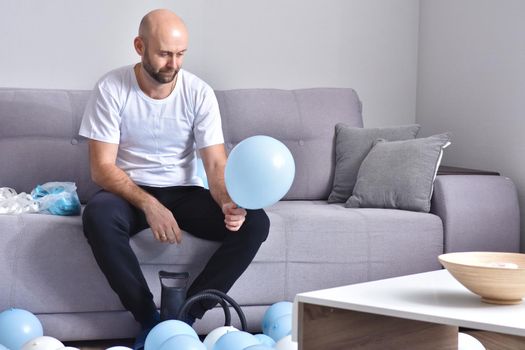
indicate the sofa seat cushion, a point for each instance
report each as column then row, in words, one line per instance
column 329, row 245
column 49, row 266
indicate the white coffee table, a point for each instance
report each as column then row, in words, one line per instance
column 421, row 311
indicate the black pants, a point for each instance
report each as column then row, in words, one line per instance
column 109, row 222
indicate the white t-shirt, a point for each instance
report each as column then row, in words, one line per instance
column 157, row 139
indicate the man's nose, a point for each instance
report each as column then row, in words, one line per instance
column 171, row 62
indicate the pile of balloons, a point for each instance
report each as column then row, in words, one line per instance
column 276, row 325
column 21, row 330
column 173, row 334
column 277, row 328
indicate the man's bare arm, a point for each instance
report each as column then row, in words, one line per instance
column 107, row 175
column 214, row 160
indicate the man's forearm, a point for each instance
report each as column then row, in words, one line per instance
column 218, row 187
column 115, row 180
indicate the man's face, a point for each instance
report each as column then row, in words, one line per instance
column 162, row 61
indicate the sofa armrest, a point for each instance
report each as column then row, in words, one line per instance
column 479, row 212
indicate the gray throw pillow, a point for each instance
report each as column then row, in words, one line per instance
column 351, row 147
column 399, row 174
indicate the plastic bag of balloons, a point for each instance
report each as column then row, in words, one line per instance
column 13, row 203
column 57, row 198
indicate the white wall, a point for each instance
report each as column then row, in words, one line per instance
column 369, row 45
column 471, row 81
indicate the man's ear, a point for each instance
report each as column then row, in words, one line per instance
column 138, row 43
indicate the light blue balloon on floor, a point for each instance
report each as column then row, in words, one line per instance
column 259, row 347
column 235, row 341
column 201, row 172
column 280, row 328
column 259, row 172
column 18, row 326
column 275, row 311
column 265, row 340
column 165, row 330
column 3, row 347
column 182, row 342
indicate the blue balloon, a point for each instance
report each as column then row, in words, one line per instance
column 259, row 172
column 183, row 342
column 275, row 311
column 165, row 330
column 3, row 347
column 265, row 340
column 259, row 347
column 235, row 341
column 18, row 326
column 281, row 327
column 201, row 172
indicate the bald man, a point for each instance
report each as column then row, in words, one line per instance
column 145, row 123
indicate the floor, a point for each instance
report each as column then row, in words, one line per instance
column 490, row 343
column 104, row 344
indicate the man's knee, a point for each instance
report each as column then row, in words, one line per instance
column 103, row 211
column 259, row 225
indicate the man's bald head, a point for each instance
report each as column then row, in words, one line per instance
column 162, row 43
column 162, row 22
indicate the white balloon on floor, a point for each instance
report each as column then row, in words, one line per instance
column 286, row 343
column 43, row 343
column 215, row 334
column 468, row 342
column 70, row 348
column 119, row 348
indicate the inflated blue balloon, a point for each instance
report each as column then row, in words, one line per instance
column 201, row 172
column 259, row 347
column 235, row 341
column 275, row 311
column 165, row 330
column 259, row 172
column 265, row 340
column 182, row 342
column 3, row 347
column 281, row 327
column 18, row 326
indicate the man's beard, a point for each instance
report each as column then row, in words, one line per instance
column 163, row 76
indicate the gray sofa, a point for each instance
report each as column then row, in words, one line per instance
column 46, row 265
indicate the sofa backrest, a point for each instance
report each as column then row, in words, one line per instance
column 39, row 139
column 304, row 120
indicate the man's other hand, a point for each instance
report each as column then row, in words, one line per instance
column 162, row 223
column 233, row 216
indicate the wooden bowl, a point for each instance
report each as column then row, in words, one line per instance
column 499, row 278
